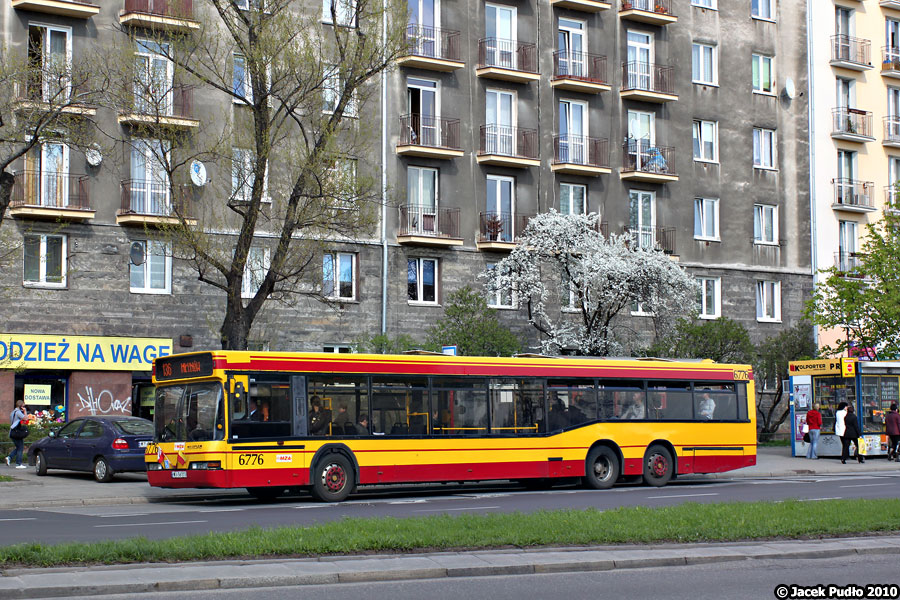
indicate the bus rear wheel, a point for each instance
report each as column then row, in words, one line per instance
column 333, row 479
column 658, row 466
column 601, row 468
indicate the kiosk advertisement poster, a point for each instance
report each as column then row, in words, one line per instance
column 802, row 395
column 799, row 422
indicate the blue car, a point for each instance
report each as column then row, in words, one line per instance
column 102, row 445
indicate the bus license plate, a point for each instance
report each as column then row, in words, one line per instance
column 143, row 444
column 179, row 474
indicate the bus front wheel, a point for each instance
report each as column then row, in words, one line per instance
column 658, row 466
column 601, row 468
column 334, row 478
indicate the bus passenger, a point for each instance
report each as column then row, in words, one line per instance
column 319, row 417
column 706, row 407
column 362, row 428
column 343, row 417
column 635, row 409
column 255, row 413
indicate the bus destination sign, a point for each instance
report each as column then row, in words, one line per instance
column 182, row 367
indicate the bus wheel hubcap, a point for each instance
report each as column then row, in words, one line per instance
column 601, row 469
column 658, row 465
column 334, row 478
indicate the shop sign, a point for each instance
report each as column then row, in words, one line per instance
column 148, row 397
column 828, row 366
column 848, row 367
column 36, row 395
column 80, row 353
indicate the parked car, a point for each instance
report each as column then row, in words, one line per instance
column 102, row 445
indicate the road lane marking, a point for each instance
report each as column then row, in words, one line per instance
column 213, row 510
column 818, row 499
column 867, row 485
column 119, row 516
column 419, row 501
column 680, row 496
column 22, row 519
column 449, row 509
column 149, row 524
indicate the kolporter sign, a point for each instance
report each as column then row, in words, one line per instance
column 80, row 353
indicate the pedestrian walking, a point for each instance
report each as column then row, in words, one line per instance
column 16, row 417
column 892, row 427
column 839, row 429
column 852, row 433
column 814, row 422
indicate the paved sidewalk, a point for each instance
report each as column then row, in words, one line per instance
column 142, row 578
column 65, row 488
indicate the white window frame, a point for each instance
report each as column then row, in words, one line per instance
column 149, row 150
column 45, row 88
column 762, row 59
column 37, row 176
column 144, row 50
column 698, row 128
column 419, row 283
column 338, row 259
column 42, row 258
column 167, row 257
column 569, row 209
column 258, row 261
column 331, row 86
column 246, row 96
column 710, row 4
column 497, row 182
column 246, row 157
column 716, row 283
column 768, row 5
column 697, row 63
column 764, row 148
column 765, row 289
column 497, row 300
column 345, row 17
column 761, row 216
column 708, row 231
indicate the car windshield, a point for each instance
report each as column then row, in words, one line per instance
column 134, row 427
column 189, row 413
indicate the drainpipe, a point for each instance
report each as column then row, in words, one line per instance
column 812, row 153
column 384, row 154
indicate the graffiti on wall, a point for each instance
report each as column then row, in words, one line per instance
column 102, row 402
column 99, row 394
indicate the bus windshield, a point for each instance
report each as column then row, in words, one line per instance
column 192, row 412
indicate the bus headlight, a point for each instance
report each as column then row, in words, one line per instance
column 212, row 465
column 154, row 466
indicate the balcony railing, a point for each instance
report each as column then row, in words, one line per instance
column 146, row 197
column 892, row 130
column 653, row 238
column 648, row 77
column 581, row 150
column 853, row 193
column 507, row 54
column 178, row 9
column 504, row 140
column 425, row 220
column 847, row 263
column 639, row 155
column 660, row 7
column 432, row 42
column 48, row 189
column 890, row 59
column 852, row 121
column 851, row 50
column 432, row 132
column 501, row 227
column 579, row 65
column 174, row 101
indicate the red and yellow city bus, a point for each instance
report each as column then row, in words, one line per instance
column 269, row 421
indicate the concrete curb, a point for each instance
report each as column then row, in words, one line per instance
column 146, row 578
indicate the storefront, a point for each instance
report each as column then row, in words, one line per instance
column 64, row 376
column 869, row 386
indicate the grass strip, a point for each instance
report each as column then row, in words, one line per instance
column 6, row 478
column 690, row 522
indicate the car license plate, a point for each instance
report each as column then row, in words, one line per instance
column 179, row 474
column 143, row 444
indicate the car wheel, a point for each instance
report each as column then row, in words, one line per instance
column 40, row 464
column 601, row 468
column 334, row 478
column 658, row 466
column 103, row 473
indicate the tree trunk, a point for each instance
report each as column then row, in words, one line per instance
column 235, row 331
column 6, row 186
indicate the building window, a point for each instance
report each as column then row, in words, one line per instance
column 705, row 68
column 572, row 199
column 421, row 200
column 422, row 280
column 338, row 348
column 704, row 3
column 243, row 163
column 154, row 275
column 45, row 260
column 768, row 301
column 500, row 205
column 332, row 88
column 706, row 219
column 763, row 9
column 149, row 190
column 254, row 271
column 763, row 148
column 500, row 298
column 339, row 275
column 763, row 74
column 240, row 81
column 47, row 175
column 50, row 61
column 153, row 88
column 710, row 297
column 765, row 224
column 344, row 12
column 706, row 141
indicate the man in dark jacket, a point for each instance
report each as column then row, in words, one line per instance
column 892, row 426
column 852, row 433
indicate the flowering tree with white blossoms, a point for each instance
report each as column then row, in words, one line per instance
column 574, row 282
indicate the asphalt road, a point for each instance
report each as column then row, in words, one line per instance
column 164, row 520
column 740, row 580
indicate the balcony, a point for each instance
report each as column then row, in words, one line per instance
column 652, row 12
column 431, row 48
column 851, row 53
column 851, row 195
column 891, row 200
column 852, row 125
column 847, row 264
column 648, row 82
column 650, row 164
column 425, row 225
column 653, row 238
column 169, row 108
column 890, row 62
column 580, row 155
column 50, row 195
column 505, row 146
column 43, row 92
column 76, row 9
column 891, row 132
column 590, row 6
column 579, row 72
column 163, row 15
column 507, row 60
column 500, row 231
column 429, row 137
column 892, row 4
column 149, row 204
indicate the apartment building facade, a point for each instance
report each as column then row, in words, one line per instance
column 682, row 123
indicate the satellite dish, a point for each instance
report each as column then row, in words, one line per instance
column 93, row 156
column 790, row 89
column 198, row 173
column 137, row 253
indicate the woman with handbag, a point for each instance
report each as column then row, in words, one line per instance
column 814, row 423
column 852, row 433
column 16, row 428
